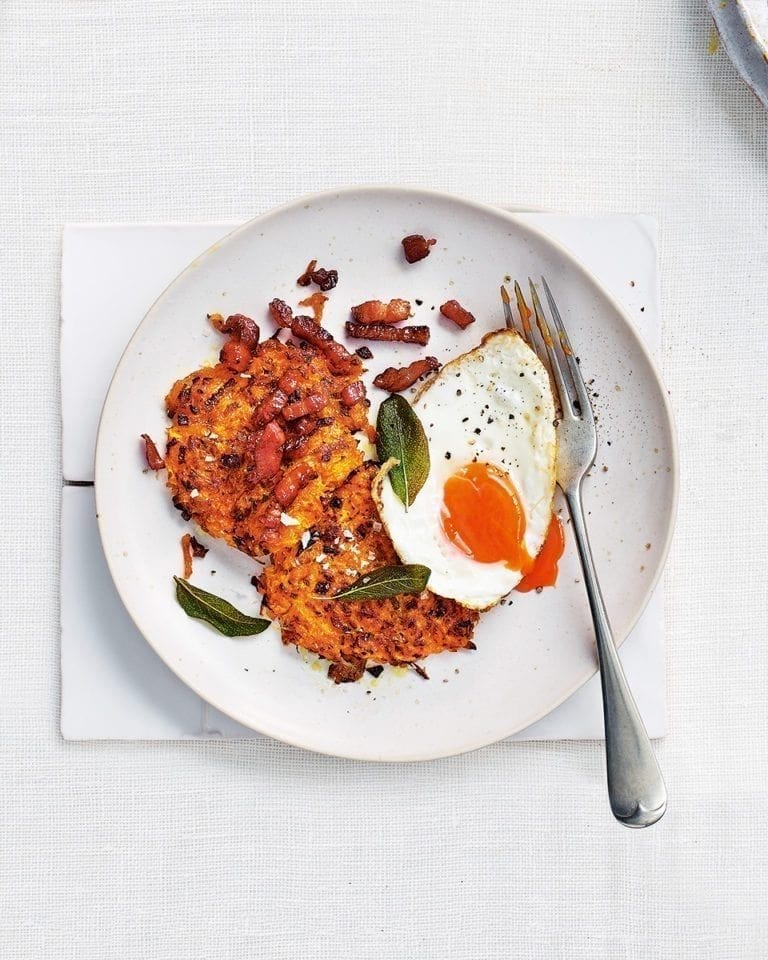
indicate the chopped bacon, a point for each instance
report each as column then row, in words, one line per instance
column 269, row 451
column 294, row 446
column 352, row 393
column 454, row 311
column 306, row 426
column 186, row 552
column 280, row 312
column 384, row 331
column 288, row 382
column 364, row 353
column 289, row 485
column 325, row 279
column 274, row 402
column 416, row 247
column 374, row 311
column 244, row 329
column 312, row 404
column 339, row 359
column 198, row 549
column 306, row 278
column 395, row 379
column 269, row 407
column 154, row 460
column 346, row 672
column 236, row 356
column 303, row 428
column 239, row 326
column 316, row 303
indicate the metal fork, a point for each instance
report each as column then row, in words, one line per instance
column 636, row 788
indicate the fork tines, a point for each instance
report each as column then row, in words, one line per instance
column 551, row 343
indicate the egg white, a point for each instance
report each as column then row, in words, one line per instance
column 491, row 405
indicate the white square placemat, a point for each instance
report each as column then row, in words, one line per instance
column 113, row 684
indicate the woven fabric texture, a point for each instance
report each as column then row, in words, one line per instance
column 151, row 110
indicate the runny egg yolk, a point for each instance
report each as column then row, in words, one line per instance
column 543, row 573
column 483, row 517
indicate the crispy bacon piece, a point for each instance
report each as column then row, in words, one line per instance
column 338, row 358
column 306, row 278
column 364, row 353
column 287, row 488
column 198, row 549
column 280, row 312
column 384, row 331
column 190, row 547
column 269, row 451
column 416, row 247
column 154, row 460
column 454, row 311
column 186, row 553
column 238, row 326
column 303, row 428
column 236, row 355
column 288, row 382
column 352, row 393
column 312, row 404
column 294, row 445
column 316, row 303
column 273, row 404
column 269, row 407
column 325, row 279
column 374, row 311
column 244, row 329
column 395, row 379
column 346, row 672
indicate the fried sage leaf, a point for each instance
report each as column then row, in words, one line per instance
column 391, row 581
column 217, row 612
column 401, row 437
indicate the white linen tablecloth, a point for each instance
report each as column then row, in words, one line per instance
column 144, row 110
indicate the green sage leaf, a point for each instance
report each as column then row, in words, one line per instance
column 391, row 581
column 401, row 437
column 218, row 613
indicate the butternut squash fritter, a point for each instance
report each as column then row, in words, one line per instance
column 348, row 541
column 219, row 450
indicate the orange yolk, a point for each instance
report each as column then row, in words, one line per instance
column 543, row 573
column 483, row 517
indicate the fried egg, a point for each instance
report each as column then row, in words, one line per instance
column 483, row 514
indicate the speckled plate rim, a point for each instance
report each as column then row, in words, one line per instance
column 574, row 264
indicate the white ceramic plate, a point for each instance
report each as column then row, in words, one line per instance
column 743, row 28
column 534, row 650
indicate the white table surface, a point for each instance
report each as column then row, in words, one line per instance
column 158, row 110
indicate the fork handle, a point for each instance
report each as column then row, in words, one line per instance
column 636, row 788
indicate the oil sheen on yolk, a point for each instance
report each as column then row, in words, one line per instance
column 543, row 573
column 483, row 517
